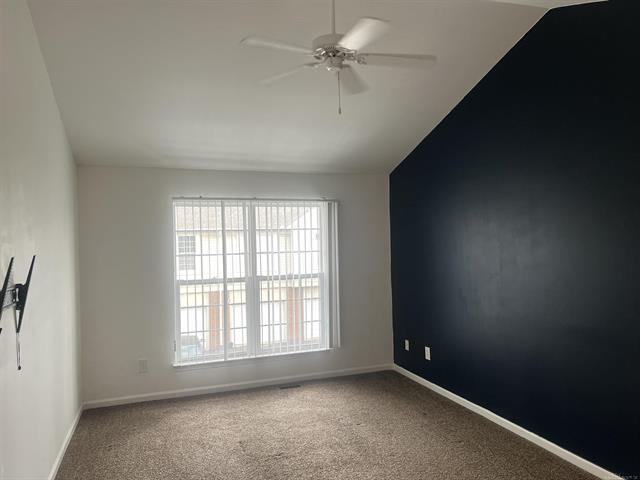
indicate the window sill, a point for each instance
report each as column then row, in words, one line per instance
column 244, row 361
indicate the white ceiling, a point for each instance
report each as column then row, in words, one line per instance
column 166, row 83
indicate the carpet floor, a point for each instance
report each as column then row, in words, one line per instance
column 375, row 426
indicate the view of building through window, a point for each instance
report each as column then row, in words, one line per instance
column 250, row 278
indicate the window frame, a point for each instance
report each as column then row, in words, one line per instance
column 327, row 278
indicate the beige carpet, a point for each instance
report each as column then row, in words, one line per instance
column 376, row 426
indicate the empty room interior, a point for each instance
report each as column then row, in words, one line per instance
column 319, row 239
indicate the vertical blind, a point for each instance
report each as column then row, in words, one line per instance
column 254, row 277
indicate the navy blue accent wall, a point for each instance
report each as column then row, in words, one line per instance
column 516, row 238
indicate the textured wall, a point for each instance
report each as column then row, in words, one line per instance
column 516, row 238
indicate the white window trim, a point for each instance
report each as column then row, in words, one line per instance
column 330, row 281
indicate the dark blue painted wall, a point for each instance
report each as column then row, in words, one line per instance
column 516, row 238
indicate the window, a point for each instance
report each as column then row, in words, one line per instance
column 254, row 278
column 186, row 251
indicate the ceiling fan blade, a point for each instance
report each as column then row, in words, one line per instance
column 365, row 31
column 352, row 81
column 293, row 71
column 275, row 45
column 397, row 60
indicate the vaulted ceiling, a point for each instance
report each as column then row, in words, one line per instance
column 166, row 82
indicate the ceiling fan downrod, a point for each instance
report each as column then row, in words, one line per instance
column 333, row 16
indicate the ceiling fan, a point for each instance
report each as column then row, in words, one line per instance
column 335, row 52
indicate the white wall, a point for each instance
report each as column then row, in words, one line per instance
column 37, row 215
column 126, row 270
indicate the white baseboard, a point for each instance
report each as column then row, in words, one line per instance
column 579, row 462
column 65, row 444
column 189, row 392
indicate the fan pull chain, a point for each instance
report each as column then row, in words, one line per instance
column 339, row 96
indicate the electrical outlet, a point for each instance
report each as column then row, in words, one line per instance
column 427, row 353
column 406, row 345
column 143, row 366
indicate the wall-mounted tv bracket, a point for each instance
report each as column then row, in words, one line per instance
column 6, row 294
column 15, row 295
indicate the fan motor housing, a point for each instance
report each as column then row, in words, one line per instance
column 327, row 42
